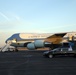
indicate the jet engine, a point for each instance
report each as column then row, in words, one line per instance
column 38, row 44
column 31, row 46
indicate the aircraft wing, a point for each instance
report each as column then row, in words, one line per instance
column 56, row 38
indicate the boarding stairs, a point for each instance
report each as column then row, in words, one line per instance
column 4, row 48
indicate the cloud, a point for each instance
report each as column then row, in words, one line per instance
column 10, row 16
column 10, row 21
column 3, row 15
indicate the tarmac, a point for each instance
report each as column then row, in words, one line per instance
column 33, row 63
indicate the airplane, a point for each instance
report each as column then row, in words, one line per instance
column 34, row 41
column 70, row 36
column 70, row 40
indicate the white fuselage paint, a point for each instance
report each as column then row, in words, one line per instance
column 33, row 35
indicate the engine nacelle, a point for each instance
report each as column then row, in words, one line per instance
column 31, row 46
column 38, row 44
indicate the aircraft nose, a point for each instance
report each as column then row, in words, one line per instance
column 6, row 40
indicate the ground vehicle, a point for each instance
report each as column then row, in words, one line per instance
column 60, row 52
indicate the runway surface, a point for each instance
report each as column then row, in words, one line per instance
column 33, row 63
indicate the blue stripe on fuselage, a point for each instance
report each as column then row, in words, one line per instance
column 16, row 36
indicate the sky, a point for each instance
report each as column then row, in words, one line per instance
column 36, row 16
